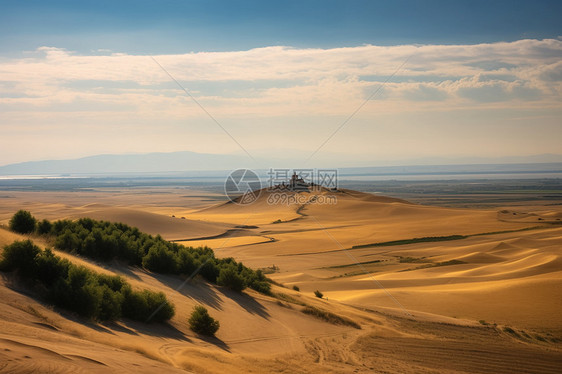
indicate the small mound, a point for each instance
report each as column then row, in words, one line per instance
column 481, row 258
column 503, row 246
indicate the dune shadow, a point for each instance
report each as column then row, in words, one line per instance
column 247, row 302
column 196, row 289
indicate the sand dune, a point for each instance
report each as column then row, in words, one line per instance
column 172, row 228
column 418, row 302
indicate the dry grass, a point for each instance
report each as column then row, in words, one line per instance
column 329, row 317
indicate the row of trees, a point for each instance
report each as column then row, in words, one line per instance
column 78, row 289
column 102, row 240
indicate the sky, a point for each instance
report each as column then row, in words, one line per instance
column 331, row 83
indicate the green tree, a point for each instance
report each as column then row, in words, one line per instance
column 141, row 305
column 111, row 302
column 50, row 268
column 229, row 277
column 201, row 322
column 85, row 294
column 159, row 259
column 23, row 222
column 20, row 255
column 44, row 227
column 318, row 294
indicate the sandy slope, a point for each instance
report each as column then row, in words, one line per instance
column 502, row 274
column 425, row 319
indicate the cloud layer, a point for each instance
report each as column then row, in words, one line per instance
column 55, row 87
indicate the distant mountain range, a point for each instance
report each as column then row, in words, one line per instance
column 134, row 163
column 207, row 164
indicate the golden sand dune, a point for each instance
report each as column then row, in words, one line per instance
column 418, row 280
column 172, row 228
column 315, row 252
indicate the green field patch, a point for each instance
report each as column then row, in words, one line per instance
column 353, row 264
column 425, row 239
column 437, row 264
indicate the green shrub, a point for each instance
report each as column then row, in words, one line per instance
column 135, row 305
column 111, row 304
column 186, row 262
column 159, row 259
column 78, row 289
column 22, row 222
column 256, row 280
column 85, row 295
column 263, row 287
column 157, row 303
column 21, row 256
column 68, row 242
column 318, row 294
column 114, row 282
column 296, row 288
column 210, row 270
column 104, row 241
column 229, row 277
column 202, row 323
column 61, row 225
column 141, row 305
column 44, row 227
column 50, row 268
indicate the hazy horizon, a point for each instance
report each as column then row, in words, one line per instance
column 193, row 161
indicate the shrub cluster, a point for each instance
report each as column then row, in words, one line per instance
column 22, row 222
column 83, row 291
column 201, row 322
column 102, row 240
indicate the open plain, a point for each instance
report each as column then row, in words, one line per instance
column 433, row 289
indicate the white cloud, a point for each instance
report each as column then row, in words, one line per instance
column 320, row 74
column 278, row 82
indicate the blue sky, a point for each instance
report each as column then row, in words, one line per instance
column 447, row 80
column 179, row 26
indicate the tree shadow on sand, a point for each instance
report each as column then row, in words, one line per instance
column 246, row 301
column 125, row 270
column 120, row 327
column 161, row 330
column 215, row 341
column 195, row 289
